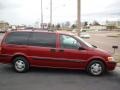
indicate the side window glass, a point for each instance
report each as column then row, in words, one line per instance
column 18, row 38
column 69, row 42
column 43, row 39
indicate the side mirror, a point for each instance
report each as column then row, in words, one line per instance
column 81, row 48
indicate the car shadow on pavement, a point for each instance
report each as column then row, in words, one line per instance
column 8, row 69
column 57, row 71
column 53, row 71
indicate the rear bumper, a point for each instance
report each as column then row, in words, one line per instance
column 111, row 65
column 5, row 58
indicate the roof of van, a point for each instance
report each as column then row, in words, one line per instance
column 47, row 31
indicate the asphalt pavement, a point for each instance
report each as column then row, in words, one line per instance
column 56, row 79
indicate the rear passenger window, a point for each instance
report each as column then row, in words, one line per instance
column 43, row 39
column 18, row 38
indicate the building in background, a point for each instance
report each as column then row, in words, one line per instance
column 113, row 24
column 21, row 27
column 4, row 26
column 98, row 27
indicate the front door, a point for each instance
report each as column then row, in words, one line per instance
column 68, row 54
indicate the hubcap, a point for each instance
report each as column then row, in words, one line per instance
column 19, row 65
column 96, row 69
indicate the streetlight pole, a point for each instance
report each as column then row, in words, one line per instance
column 78, row 17
column 41, row 15
column 50, row 14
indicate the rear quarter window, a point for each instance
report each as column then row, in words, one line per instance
column 18, row 38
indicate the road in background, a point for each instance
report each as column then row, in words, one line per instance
column 101, row 40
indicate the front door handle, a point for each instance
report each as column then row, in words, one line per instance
column 61, row 50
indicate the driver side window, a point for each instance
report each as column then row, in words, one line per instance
column 69, row 42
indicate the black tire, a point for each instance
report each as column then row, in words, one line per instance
column 20, row 64
column 96, row 68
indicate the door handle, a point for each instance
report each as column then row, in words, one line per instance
column 52, row 50
column 61, row 50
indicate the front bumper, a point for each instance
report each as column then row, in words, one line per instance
column 111, row 65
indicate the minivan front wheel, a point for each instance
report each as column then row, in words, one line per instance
column 96, row 68
column 20, row 64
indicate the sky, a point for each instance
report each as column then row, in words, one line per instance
column 29, row 11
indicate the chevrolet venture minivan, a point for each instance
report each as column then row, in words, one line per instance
column 25, row 49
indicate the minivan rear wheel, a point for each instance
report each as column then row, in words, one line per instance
column 20, row 64
column 96, row 68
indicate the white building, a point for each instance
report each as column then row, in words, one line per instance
column 113, row 23
column 4, row 26
column 98, row 27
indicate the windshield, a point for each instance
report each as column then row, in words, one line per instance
column 86, row 43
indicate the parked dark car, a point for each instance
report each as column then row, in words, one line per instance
column 25, row 49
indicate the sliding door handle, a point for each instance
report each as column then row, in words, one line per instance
column 52, row 50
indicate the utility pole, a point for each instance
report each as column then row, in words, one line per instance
column 41, row 15
column 78, row 17
column 51, row 14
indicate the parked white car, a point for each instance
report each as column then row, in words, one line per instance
column 84, row 35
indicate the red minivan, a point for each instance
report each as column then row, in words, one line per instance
column 25, row 49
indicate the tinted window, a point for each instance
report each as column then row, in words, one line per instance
column 69, row 42
column 19, row 38
column 43, row 39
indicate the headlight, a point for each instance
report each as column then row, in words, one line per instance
column 111, row 59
